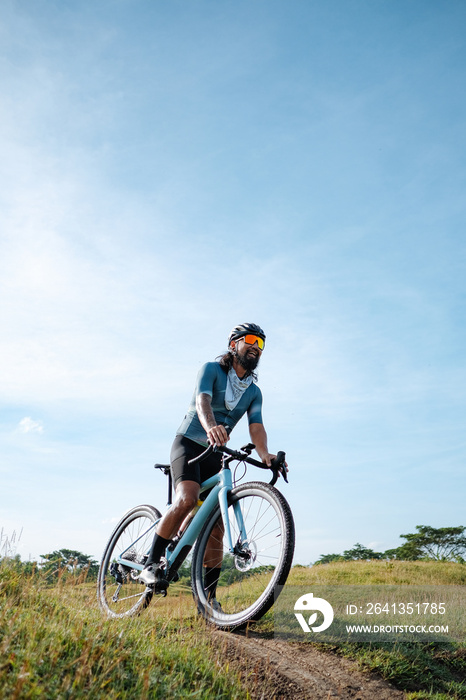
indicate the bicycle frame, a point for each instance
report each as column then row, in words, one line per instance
column 221, row 485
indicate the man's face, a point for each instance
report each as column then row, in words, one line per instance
column 248, row 355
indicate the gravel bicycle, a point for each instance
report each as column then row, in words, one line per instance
column 257, row 545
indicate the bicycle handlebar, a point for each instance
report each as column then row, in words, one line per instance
column 278, row 464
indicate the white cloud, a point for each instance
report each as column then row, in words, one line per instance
column 28, row 425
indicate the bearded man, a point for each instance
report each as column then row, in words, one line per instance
column 225, row 391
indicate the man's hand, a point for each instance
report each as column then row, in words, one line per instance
column 268, row 458
column 217, row 435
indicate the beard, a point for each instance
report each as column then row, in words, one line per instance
column 248, row 360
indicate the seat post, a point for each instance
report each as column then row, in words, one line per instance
column 165, row 468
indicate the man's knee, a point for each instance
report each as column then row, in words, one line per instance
column 187, row 496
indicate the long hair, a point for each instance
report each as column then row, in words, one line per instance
column 226, row 363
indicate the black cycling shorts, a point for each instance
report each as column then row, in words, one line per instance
column 184, row 449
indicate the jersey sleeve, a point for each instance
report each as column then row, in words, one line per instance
column 255, row 408
column 206, row 379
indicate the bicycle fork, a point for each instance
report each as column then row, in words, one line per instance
column 223, row 501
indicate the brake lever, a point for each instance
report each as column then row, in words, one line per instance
column 278, row 466
column 283, row 472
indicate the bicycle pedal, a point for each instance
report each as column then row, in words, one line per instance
column 159, row 590
column 159, row 587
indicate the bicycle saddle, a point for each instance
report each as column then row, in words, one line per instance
column 163, row 467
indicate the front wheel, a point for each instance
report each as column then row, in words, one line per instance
column 119, row 592
column 262, row 530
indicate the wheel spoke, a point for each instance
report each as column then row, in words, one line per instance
column 247, row 583
column 119, row 591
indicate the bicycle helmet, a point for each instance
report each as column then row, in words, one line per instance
column 245, row 328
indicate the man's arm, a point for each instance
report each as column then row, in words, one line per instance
column 216, row 434
column 259, row 438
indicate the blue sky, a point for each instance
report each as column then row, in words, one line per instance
column 170, row 169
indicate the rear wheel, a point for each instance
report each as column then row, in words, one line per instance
column 254, row 573
column 119, row 591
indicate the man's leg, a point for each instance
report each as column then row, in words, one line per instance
column 213, row 559
column 186, row 497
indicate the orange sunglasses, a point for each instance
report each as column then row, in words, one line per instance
column 251, row 339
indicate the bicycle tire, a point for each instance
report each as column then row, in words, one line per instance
column 250, row 581
column 119, row 592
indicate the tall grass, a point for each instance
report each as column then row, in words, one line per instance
column 55, row 643
column 424, row 670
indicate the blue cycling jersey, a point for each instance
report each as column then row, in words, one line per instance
column 212, row 380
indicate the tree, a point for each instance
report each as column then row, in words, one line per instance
column 408, row 551
column 441, row 544
column 357, row 553
column 360, row 552
column 327, row 558
column 68, row 561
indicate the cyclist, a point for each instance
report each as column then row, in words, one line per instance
column 225, row 390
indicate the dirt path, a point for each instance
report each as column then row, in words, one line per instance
column 278, row 670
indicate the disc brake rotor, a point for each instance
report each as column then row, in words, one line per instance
column 245, row 560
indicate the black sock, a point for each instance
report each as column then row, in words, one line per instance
column 211, row 576
column 157, row 549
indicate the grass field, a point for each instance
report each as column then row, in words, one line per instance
column 427, row 573
column 427, row 671
column 54, row 642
